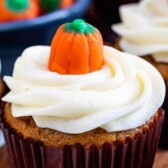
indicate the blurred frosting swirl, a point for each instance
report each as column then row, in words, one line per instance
column 144, row 29
column 124, row 94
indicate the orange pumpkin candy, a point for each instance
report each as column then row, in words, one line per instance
column 77, row 48
column 66, row 3
column 12, row 10
column 52, row 5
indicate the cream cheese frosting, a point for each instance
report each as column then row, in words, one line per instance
column 124, row 94
column 144, row 29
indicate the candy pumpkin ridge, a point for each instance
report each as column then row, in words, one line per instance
column 77, row 48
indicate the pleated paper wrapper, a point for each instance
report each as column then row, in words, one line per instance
column 138, row 152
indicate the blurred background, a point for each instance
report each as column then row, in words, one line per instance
column 16, row 35
column 104, row 13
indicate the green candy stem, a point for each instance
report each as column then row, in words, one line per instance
column 50, row 5
column 17, row 5
column 79, row 26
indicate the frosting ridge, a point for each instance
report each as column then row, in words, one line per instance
column 126, row 88
column 143, row 29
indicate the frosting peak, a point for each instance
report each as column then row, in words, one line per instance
column 157, row 8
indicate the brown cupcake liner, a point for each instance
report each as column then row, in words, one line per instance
column 163, row 143
column 137, row 152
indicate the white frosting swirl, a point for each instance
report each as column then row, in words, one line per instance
column 124, row 94
column 144, row 29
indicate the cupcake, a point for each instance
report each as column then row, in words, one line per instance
column 81, row 104
column 143, row 32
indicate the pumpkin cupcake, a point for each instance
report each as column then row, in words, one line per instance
column 12, row 10
column 81, row 104
column 143, row 32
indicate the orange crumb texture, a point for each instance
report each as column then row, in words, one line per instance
column 28, row 129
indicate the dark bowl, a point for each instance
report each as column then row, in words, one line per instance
column 16, row 36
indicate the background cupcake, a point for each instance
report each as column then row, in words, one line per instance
column 103, row 14
column 143, row 32
column 82, row 105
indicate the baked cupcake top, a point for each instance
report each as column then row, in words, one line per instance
column 143, row 29
column 77, row 84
